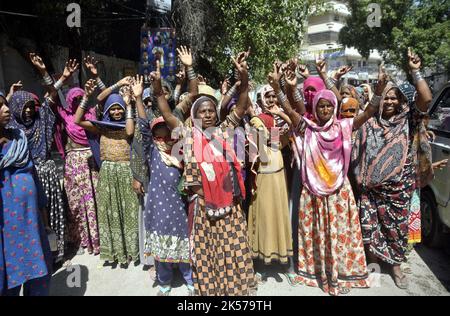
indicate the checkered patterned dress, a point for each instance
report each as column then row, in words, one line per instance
column 221, row 260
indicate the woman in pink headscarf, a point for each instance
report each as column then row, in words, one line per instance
column 80, row 177
column 331, row 252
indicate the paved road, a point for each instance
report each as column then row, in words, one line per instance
column 430, row 268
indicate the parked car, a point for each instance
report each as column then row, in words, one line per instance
column 435, row 198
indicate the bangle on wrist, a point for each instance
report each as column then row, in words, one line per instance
column 100, row 84
column 330, row 83
column 232, row 92
column 130, row 114
column 115, row 87
column 59, row 84
column 375, row 102
column 282, row 97
column 417, row 76
column 176, row 95
column 84, row 104
column 48, row 80
column 298, row 96
column 191, row 74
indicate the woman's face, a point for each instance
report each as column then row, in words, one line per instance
column 161, row 132
column 207, row 113
column 324, row 111
column 366, row 94
column 391, row 104
column 116, row 113
column 348, row 111
column 271, row 100
column 5, row 115
column 346, row 93
column 29, row 111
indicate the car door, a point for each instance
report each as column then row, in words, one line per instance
column 440, row 125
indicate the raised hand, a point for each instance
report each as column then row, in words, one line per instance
column 15, row 87
column 71, row 66
column 274, row 77
column 291, row 78
column 415, row 63
column 89, row 87
column 185, row 55
column 303, row 71
column 125, row 81
column 155, row 78
column 440, row 165
column 225, row 86
column 321, row 66
column 343, row 71
column 181, row 76
column 91, row 64
column 274, row 110
column 37, row 61
column 382, row 80
column 137, row 86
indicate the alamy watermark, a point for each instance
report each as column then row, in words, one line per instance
column 374, row 18
column 74, row 18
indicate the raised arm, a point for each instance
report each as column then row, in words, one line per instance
column 321, row 66
column 129, row 118
column 108, row 91
column 293, row 94
column 241, row 66
column 89, row 88
column 163, row 105
column 91, row 64
column 274, row 81
column 39, row 64
column 424, row 95
column 227, row 95
column 71, row 66
column 374, row 104
column 186, row 58
column 138, row 89
column 14, row 88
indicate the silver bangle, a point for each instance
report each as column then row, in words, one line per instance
column 130, row 114
column 58, row 84
column 191, row 74
column 48, row 80
column 330, row 83
column 115, row 87
column 100, row 84
column 417, row 76
column 283, row 83
column 176, row 95
column 282, row 97
column 298, row 96
column 375, row 102
column 232, row 92
column 83, row 103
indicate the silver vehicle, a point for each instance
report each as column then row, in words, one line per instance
column 435, row 198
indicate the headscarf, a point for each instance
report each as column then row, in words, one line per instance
column 18, row 154
column 325, row 150
column 381, row 146
column 74, row 131
column 318, row 84
column 369, row 89
column 165, row 146
column 349, row 104
column 40, row 131
column 222, row 179
column 113, row 99
column 267, row 117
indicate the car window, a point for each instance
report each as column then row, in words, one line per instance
column 440, row 118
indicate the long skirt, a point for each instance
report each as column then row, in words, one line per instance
column 144, row 259
column 414, row 220
column 80, row 181
column 221, row 261
column 331, row 251
column 118, row 217
column 48, row 178
column 269, row 225
column 384, row 218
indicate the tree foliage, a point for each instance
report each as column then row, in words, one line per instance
column 423, row 25
column 272, row 29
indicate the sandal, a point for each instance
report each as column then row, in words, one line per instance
column 292, row 279
column 164, row 291
column 260, row 278
column 344, row 290
column 401, row 282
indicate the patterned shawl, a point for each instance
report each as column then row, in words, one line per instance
column 18, row 154
column 40, row 131
column 326, row 150
column 381, row 148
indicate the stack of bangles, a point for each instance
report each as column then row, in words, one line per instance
column 84, row 104
column 232, row 92
column 282, row 97
column 330, row 83
column 191, row 74
column 375, row 102
column 100, row 84
column 48, row 80
column 115, row 87
column 417, row 76
column 130, row 114
column 58, row 84
column 298, row 96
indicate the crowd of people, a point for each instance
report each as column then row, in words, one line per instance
column 319, row 177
